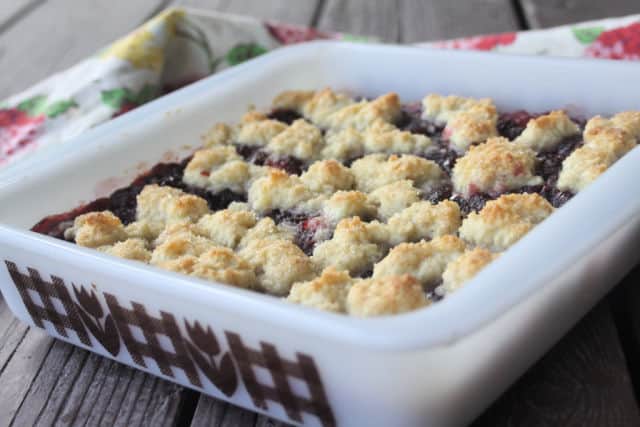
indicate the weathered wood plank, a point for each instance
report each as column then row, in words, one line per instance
column 11, row 12
column 52, row 384
column 582, row 381
column 411, row 21
column 76, row 387
column 268, row 422
column 60, row 33
column 212, row 412
column 378, row 18
column 12, row 332
column 439, row 20
column 549, row 13
column 625, row 301
column 22, row 368
column 301, row 12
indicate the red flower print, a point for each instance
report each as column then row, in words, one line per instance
column 619, row 43
column 489, row 42
column 17, row 130
column 290, row 34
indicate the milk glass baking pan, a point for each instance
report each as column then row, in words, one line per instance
column 440, row 365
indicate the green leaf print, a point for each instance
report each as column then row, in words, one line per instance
column 244, row 51
column 115, row 97
column 33, row 106
column 59, row 107
column 587, row 35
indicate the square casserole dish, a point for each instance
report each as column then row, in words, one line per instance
column 436, row 366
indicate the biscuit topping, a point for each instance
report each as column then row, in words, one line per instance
column 352, row 205
column 494, row 167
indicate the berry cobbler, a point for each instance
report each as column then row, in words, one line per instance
column 355, row 206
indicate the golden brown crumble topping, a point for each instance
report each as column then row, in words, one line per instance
column 353, row 225
column 496, row 166
column 464, row 268
column 504, row 221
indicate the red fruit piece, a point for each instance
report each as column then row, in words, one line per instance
column 619, row 43
column 314, row 223
column 312, row 231
column 289, row 164
column 511, row 125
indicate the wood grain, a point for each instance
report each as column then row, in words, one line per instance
column 549, row 13
column 582, row 381
column 626, row 304
column 378, row 18
column 60, row 33
column 20, row 371
column 298, row 12
column 212, row 412
column 12, row 332
column 410, row 21
column 439, row 20
column 12, row 11
column 75, row 387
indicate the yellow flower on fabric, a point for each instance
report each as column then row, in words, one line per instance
column 144, row 48
column 171, row 18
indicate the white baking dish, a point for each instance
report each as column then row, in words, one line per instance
column 436, row 366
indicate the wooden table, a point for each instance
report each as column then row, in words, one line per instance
column 587, row 379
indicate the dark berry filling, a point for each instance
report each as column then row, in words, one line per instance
column 284, row 116
column 311, row 232
column 411, row 121
column 55, row 225
column 434, row 296
column 556, row 197
column 549, row 165
column 476, row 202
column 472, row 203
column 550, row 162
column 287, row 217
column 510, row 125
column 258, row 156
column 310, row 229
column 217, row 201
column 444, row 156
column 438, row 193
column 289, row 164
column 122, row 202
column 366, row 274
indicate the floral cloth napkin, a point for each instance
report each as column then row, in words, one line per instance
column 180, row 46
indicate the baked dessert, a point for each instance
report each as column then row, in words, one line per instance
column 356, row 206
